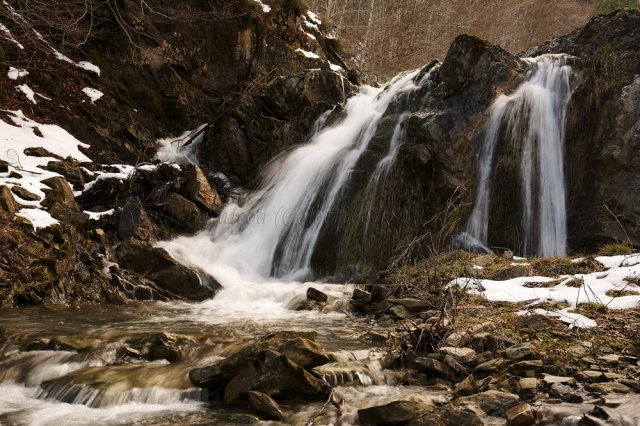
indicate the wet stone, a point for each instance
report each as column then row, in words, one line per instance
column 316, row 295
column 396, row 412
column 265, row 405
column 520, row 415
column 609, row 387
column 565, row 393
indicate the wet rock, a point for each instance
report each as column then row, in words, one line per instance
column 397, row 412
column 7, row 203
column 518, row 352
column 316, row 295
column 273, row 373
column 164, row 346
column 134, row 221
column 24, row 194
column 609, row 387
column 527, row 387
column 76, row 343
column 304, row 352
column 199, row 190
column 411, row 304
column 463, row 355
column 185, row 213
column 210, row 377
column 565, row 393
column 492, row 402
column 60, row 192
column 520, row 415
column 430, row 366
column 265, row 405
column 128, row 352
column 466, row 387
column 361, row 295
column 157, row 265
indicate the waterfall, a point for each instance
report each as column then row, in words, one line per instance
column 535, row 115
column 271, row 233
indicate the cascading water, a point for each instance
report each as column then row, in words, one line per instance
column 534, row 114
column 273, row 231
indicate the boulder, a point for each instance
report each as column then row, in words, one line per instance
column 492, row 402
column 70, row 169
column 199, row 190
column 134, row 221
column 4, row 166
column 396, row 412
column 519, row 352
column 60, row 193
column 463, row 355
column 520, row 415
column 24, row 194
column 316, row 295
column 7, row 202
column 185, row 213
column 265, row 405
column 157, row 265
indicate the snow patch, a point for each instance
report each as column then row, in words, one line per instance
column 9, row 36
column 335, row 68
column 574, row 320
column 315, row 18
column 28, row 92
column 265, row 8
column 93, row 94
column 88, row 66
column 99, row 215
column 38, row 218
column 15, row 73
column 308, row 54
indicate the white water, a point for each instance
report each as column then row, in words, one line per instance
column 261, row 246
column 535, row 114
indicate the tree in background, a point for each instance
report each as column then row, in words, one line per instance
column 389, row 36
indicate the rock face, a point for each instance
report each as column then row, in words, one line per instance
column 156, row 264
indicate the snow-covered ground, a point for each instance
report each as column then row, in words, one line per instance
column 622, row 274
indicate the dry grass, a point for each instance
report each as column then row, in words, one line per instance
column 613, row 249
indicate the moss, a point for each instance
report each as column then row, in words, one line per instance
column 147, row 99
column 613, row 249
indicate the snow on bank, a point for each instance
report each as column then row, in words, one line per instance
column 15, row 73
column 623, row 274
column 22, row 133
column 308, row 54
column 265, row 8
column 93, row 94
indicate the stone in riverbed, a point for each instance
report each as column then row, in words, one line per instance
column 185, row 213
column 609, row 387
column 520, row 415
column 264, row 404
column 492, row 402
column 565, row 393
column 400, row 312
column 316, row 295
column 430, row 366
column 527, row 387
column 361, row 295
column 397, row 412
column 200, row 190
column 490, row 366
column 466, row 387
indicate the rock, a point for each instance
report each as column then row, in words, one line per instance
column 60, row 193
column 466, row 387
column 184, row 212
column 134, row 221
column 527, row 387
column 464, row 416
column 633, row 384
column 361, row 295
column 489, row 341
column 70, row 169
column 304, row 352
column 316, row 295
column 549, row 379
column 24, row 194
column 397, row 412
column 78, row 343
column 610, row 359
column 4, row 166
column 463, row 355
column 164, row 346
column 157, row 265
column 69, row 215
column 274, row 374
column 609, row 387
column 399, row 312
column 456, row 339
column 199, row 190
column 454, row 365
column 411, row 304
column 565, row 393
column 492, row 402
column 482, row 358
column 39, row 152
column 527, row 367
column 264, row 404
column 490, row 366
column 518, row 352
column 7, row 203
column 520, row 415
column 210, row 377
column 430, row 366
